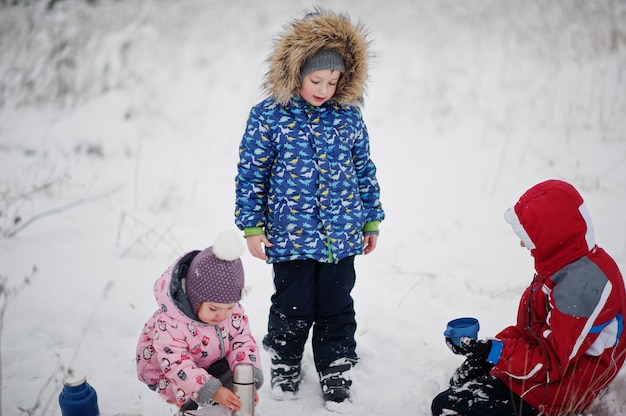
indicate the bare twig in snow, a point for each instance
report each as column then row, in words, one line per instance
column 81, row 201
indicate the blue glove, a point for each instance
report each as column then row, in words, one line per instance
column 477, row 350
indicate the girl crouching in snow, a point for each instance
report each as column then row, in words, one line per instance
column 189, row 348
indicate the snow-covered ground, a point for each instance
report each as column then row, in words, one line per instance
column 119, row 127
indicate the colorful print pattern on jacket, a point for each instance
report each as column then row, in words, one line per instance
column 569, row 341
column 174, row 349
column 305, row 174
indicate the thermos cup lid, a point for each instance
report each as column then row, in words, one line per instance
column 462, row 327
column 75, row 378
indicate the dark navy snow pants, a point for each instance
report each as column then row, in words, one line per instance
column 485, row 396
column 309, row 294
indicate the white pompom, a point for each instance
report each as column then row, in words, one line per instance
column 228, row 246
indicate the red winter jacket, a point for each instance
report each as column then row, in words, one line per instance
column 568, row 343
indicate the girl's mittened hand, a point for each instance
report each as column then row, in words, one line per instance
column 227, row 398
column 257, row 244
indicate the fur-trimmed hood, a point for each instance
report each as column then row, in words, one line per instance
column 303, row 37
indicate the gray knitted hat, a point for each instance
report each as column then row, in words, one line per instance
column 323, row 59
column 216, row 273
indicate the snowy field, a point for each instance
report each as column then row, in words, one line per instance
column 119, row 127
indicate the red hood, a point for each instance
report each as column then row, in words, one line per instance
column 552, row 220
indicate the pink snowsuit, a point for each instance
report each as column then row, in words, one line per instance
column 174, row 349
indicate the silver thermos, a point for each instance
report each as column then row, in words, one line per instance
column 243, row 386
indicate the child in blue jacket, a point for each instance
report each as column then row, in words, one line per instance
column 307, row 197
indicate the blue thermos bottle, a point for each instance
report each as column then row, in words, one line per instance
column 78, row 398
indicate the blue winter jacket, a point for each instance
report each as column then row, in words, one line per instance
column 306, row 177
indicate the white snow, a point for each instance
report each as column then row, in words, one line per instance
column 119, row 128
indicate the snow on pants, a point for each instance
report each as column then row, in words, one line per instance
column 312, row 294
column 485, row 396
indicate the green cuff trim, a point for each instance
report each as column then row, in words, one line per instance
column 248, row 231
column 371, row 226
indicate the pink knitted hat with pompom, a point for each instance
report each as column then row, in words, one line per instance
column 216, row 273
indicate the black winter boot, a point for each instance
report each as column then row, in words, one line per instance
column 335, row 380
column 285, row 380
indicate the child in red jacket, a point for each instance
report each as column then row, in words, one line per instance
column 568, row 343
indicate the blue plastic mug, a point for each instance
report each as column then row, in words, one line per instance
column 462, row 327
